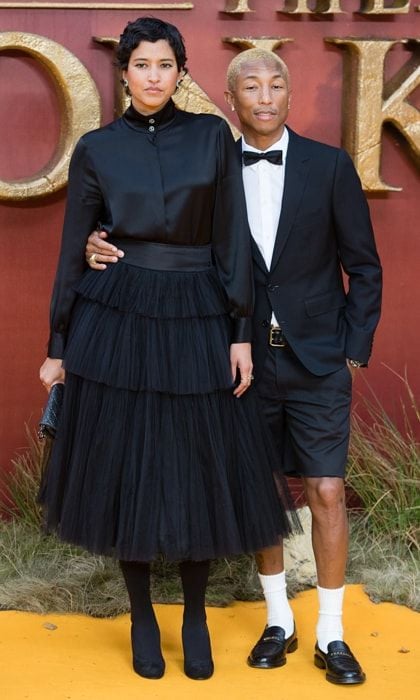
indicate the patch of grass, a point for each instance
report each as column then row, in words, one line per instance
column 22, row 483
column 388, row 569
column 384, row 469
column 39, row 573
column 384, row 472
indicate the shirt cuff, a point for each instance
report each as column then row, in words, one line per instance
column 242, row 330
column 56, row 345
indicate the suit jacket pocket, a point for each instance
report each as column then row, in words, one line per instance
column 322, row 303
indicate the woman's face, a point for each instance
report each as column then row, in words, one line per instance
column 152, row 73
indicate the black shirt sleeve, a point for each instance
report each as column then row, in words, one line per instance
column 83, row 211
column 231, row 237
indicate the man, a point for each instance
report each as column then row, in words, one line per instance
column 309, row 222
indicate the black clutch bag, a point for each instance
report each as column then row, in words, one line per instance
column 49, row 420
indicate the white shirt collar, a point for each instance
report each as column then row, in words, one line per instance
column 281, row 144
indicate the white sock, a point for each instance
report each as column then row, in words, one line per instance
column 329, row 627
column 279, row 612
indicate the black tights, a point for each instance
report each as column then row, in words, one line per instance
column 145, row 635
column 145, row 630
column 195, row 636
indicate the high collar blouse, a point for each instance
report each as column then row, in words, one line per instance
column 169, row 177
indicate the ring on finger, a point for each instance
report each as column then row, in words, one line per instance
column 92, row 258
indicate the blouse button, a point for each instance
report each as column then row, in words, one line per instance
column 151, row 128
column 151, row 121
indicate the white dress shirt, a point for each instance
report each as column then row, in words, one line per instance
column 264, row 187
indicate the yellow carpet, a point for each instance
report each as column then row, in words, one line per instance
column 88, row 659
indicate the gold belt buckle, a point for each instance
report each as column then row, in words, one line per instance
column 276, row 330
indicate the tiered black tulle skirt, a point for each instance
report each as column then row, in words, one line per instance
column 154, row 454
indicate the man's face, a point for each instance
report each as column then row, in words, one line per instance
column 261, row 98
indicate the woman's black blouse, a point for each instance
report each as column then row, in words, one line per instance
column 172, row 177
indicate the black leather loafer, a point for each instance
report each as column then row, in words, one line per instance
column 271, row 649
column 341, row 665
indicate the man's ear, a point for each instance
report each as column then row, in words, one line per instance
column 229, row 99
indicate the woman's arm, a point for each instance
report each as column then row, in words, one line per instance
column 83, row 210
column 231, row 241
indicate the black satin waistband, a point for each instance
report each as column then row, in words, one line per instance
column 163, row 256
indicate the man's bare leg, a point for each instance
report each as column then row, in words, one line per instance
column 279, row 637
column 326, row 500
column 270, row 560
column 270, row 563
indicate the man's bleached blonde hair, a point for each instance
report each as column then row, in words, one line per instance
column 251, row 56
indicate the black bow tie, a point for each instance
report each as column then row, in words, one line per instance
column 275, row 157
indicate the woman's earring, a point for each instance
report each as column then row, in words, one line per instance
column 232, row 108
column 124, row 83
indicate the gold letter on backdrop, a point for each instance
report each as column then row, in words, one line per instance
column 300, row 7
column 368, row 102
column 249, row 42
column 237, row 6
column 80, row 111
column 378, row 7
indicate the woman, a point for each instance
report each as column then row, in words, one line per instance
column 154, row 453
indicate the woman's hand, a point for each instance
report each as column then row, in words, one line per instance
column 241, row 360
column 99, row 252
column 52, row 372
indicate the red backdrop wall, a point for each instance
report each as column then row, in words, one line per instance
column 30, row 232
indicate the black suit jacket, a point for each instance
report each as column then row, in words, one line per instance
column 324, row 229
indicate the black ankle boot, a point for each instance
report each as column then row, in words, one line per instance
column 148, row 667
column 198, row 665
column 145, row 635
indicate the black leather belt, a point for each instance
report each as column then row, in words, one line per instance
column 276, row 338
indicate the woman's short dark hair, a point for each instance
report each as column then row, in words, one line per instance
column 150, row 29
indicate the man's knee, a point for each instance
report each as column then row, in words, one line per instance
column 325, row 492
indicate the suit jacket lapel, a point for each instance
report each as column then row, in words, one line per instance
column 297, row 169
column 256, row 253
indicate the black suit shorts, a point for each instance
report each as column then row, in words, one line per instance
column 309, row 415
